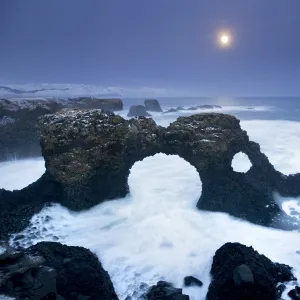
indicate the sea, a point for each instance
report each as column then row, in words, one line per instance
column 155, row 232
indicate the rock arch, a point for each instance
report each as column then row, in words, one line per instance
column 88, row 155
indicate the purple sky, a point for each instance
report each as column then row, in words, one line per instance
column 157, row 43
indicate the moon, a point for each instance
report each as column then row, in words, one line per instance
column 224, row 39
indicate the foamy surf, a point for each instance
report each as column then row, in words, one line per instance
column 17, row 174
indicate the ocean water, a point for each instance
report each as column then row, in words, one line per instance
column 156, row 233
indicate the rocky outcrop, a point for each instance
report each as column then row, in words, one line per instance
column 294, row 294
column 25, row 276
column 152, row 105
column 192, row 281
column 138, row 111
column 53, row 271
column 89, row 153
column 18, row 119
column 80, row 275
column 203, row 107
column 164, row 291
column 240, row 272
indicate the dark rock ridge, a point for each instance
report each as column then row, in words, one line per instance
column 179, row 108
column 18, row 119
column 88, row 155
column 138, row 111
column 240, row 272
column 53, row 271
column 152, row 105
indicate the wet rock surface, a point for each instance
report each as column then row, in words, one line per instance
column 152, row 105
column 240, row 272
column 138, row 111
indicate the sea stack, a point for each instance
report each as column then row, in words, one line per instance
column 152, row 105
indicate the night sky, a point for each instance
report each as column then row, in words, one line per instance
column 153, row 43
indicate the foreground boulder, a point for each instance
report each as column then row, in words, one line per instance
column 80, row 275
column 138, row 111
column 152, row 105
column 165, row 291
column 24, row 276
column 53, row 271
column 18, row 119
column 239, row 272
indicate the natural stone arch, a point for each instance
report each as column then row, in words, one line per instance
column 88, row 155
column 91, row 152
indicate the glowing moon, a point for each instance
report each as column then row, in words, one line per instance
column 224, row 39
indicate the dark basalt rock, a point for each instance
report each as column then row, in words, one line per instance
column 295, row 293
column 279, row 290
column 165, row 291
column 152, row 105
column 88, row 155
column 80, row 275
column 192, row 281
column 24, row 276
column 240, row 272
column 138, row 111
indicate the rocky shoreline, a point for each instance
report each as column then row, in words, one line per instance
column 50, row 270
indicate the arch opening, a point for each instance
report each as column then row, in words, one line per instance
column 241, row 163
column 163, row 180
column 20, row 173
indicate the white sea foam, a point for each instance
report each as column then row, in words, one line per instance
column 156, row 232
column 17, row 174
column 241, row 163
